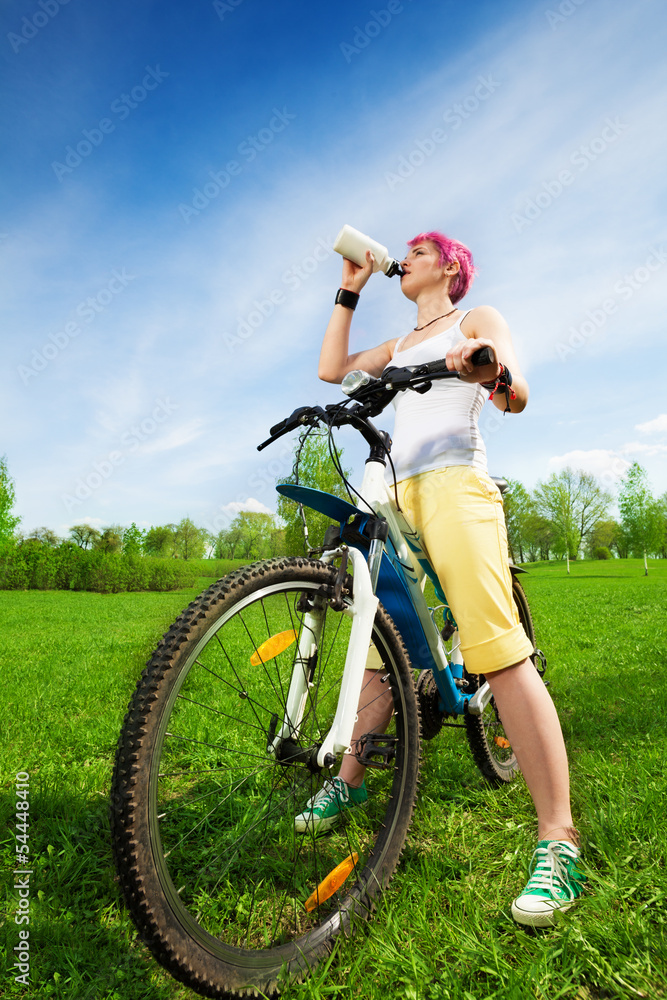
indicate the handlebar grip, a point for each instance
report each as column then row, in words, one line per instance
column 278, row 427
column 289, row 423
column 484, row 356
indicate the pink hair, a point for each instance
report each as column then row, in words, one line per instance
column 451, row 250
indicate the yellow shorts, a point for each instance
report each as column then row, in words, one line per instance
column 458, row 513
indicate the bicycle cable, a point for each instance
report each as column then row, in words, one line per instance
column 339, row 470
column 295, row 473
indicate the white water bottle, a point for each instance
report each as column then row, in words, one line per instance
column 353, row 245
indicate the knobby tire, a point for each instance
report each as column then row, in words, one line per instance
column 211, row 867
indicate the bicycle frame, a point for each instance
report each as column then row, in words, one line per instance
column 394, row 574
column 362, row 610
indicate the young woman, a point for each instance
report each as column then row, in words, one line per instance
column 444, row 489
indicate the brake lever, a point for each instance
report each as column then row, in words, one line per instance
column 303, row 415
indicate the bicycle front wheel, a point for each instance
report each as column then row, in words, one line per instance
column 226, row 892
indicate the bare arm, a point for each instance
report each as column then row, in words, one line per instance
column 335, row 359
column 485, row 327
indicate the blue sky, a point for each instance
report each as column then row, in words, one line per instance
column 174, row 175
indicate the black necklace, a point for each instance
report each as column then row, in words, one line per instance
column 417, row 329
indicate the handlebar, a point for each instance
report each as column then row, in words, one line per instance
column 371, row 397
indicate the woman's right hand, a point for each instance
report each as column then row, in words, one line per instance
column 354, row 275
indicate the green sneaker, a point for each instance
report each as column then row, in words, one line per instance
column 325, row 809
column 555, row 883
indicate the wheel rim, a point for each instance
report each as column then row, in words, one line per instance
column 496, row 740
column 221, row 816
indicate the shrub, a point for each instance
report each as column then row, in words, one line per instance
column 13, row 569
column 31, row 565
column 601, row 552
column 171, row 574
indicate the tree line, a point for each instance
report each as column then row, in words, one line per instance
column 250, row 535
column 566, row 516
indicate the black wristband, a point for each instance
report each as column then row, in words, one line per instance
column 344, row 297
column 502, row 384
column 504, row 378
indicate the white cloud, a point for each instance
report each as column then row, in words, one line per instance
column 607, row 464
column 600, row 462
column 176, row 438
column 255, row 506
column 638, row 448
column 657, row 426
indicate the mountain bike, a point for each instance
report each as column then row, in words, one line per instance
column 246, row 708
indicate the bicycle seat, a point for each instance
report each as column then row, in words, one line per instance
column 502, row 484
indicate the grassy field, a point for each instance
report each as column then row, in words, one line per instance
column 69, row 664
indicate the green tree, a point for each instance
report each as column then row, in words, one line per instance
column 46, row 536
column 622, row 542
column 315, row 470
column 278, row 542
column 227, row 542
column 160, row 540
column 255, row 528
column 251, row 535
column 518, row 508
column 84, row 535
column 663, row 506
column 603, row 535
column 539, row 537
column 190, row 542
column 574, row 502
column 8, row 521
column 110, row 540
column 133, row 540
column 642, row 515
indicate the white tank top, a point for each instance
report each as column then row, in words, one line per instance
column 438, row 428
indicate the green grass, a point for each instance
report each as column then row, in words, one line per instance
column 69, row 664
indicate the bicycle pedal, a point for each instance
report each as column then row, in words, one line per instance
column 376, row 750
column 540, row 661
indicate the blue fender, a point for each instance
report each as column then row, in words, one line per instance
column 391, row 589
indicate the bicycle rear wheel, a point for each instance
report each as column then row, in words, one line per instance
column 491, row 750
column 212, row 869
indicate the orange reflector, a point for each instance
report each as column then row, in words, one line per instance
column 500, row 741
column 333, row 881
column 276, row 644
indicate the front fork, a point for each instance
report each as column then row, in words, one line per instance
column 361, row 609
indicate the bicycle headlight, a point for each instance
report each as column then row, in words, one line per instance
column 354, row 380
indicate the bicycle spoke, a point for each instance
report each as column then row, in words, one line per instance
column 240, row 691
column 208, row 796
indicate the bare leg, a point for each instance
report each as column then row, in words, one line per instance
column 532, row 726
column 375, row 711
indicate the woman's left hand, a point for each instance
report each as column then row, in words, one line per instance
column 459, row 359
